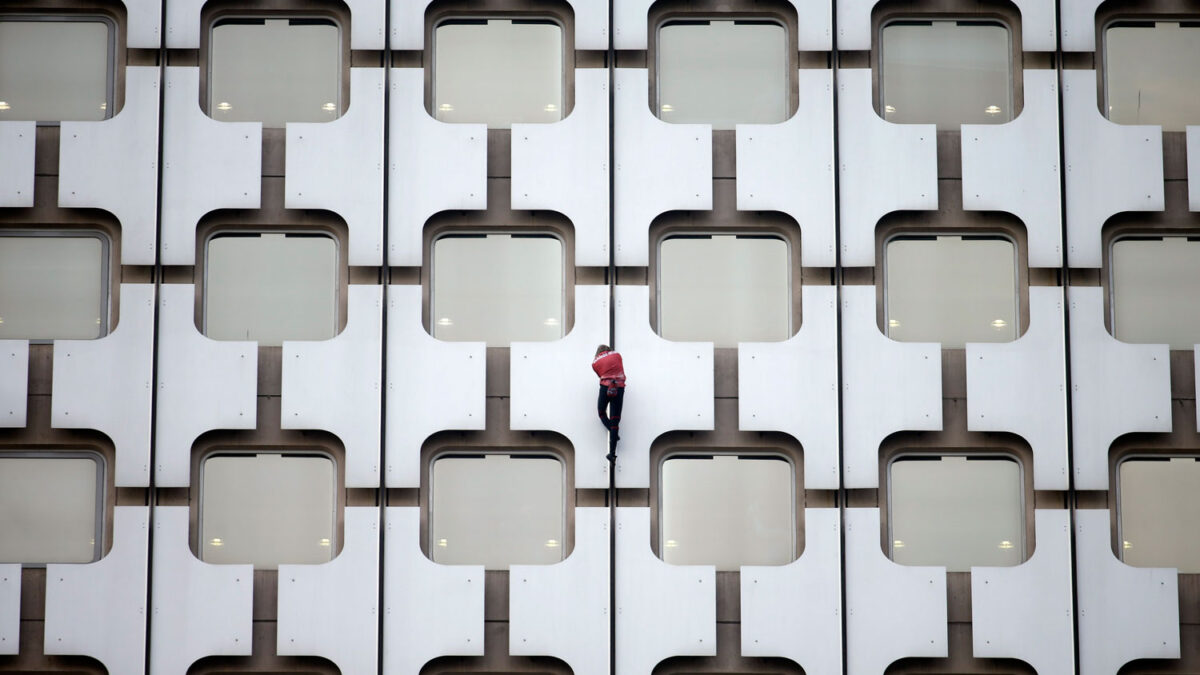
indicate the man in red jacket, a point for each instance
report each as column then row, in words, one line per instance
column 609, row 367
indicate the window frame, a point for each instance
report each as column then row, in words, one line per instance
column 107, row 268
column 1116, row 20
column 102, row 495
column 1109, row 275
column 1141, row 453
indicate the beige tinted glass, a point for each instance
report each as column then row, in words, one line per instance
column 497, row 510
column 49, row 509
column 722, row 73
column 1154, row 284
column 498, row 72
column 727, row 511
column 1158, row 508
column 267, row 509
column 957, row 512
column 274, row 71
column 724, row 289
column 1152, row 74
column 946, row 73
column 951, row 290
column 497, row 288
column 53, row 287
column 54, row 70
column 271, row 288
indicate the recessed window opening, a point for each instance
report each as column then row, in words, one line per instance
column 1152, row 73
column 51, row 506
column 56, row 67
column 1153, row 281
column 54, row 285
column 1158, row 506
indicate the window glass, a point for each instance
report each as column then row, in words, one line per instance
column 271, row 287
column 727, row 511
column 1154, row 284
column 267, row 509
column 951, row 289
column 497, row 288
column 1152, row 73
column 53, row 286
column 54, row 69
column 722, row 73
column 275, row 71
column 498, row 72
column 957, row 512
column 497, row 510
column 50, row 508
column 946, row 73
column 1158, row 508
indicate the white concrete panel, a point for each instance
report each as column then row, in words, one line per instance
column 183, row 23
column 99, row 610
column 1110, row 168
column 197, row 609
column 366, row 26
column 791, row 386
column 885, row 167
column 888, row 386
column 1038, row 28
column 1193, row 167
column 113, row 165
column 562, row 610
column 788, row 167
column 1116, row 388
column 662, row 610
column 631, row 24
column 1079, row 25
column 1037, row 24
column 430, row 610
column 670, row 385
column 17, row 142
column 1125, row 613
column 1024, row 612
column 563, row 167
column 10, row 609
column 338, row 166
column 434, row 167
column 14, row 382
column 542, row 397
column 203, row 384
column 335, row 385
column 659, row 167
column 795, row 610
column 432, row 385
column 408, row 24
column 892, row 611
column 1021, row 387
column 143, row 20
column 332, row 610
column 1013, row 167
column 207, row 165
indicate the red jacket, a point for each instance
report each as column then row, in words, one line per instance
column 609, row 367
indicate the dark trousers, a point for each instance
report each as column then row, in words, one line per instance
column 609, row 407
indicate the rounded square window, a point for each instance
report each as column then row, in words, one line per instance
column 1158, row 506
column 56, row 67
column 1154, row 282
column 1152, row 73
column 53, row 285
column 51, row 506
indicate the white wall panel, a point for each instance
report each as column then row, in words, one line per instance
column 203, row 384
column 563, row 167
column 562, row 610
column 791, row 386
column 99, row 610
column 788, row 167
column 885, row 167
column 1193, row 167
column 1079, row 25
column 1037, row 24
column 543, row 398
column 183, row 23
column 10, row 609
column 888, row 386
column 332, row 610
column 1116, row 388
column 197, row 609
column 662, row 610
column 17, row 143
column 430, row 610
column 795, row 610
column 14, row 382
column 659, row 167
column 408, row 24
column 631, row 24
column 1110, row 168
column 892, row 611
column 1021, row 386
column 143, row 20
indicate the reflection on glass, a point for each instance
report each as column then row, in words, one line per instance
column 275, row 71
column 271, row 288
column 498, row 72
column 1152, row 74
column 1154, row 284
column 55, row 70
column 951, row 290
column 267, row 509
column 957, row 512
column 724, row 289
column 727, row 511
column 497, row 288
column 49, row 509
column 946, row 73
column 1158, row 508
column 722, row 73
column 53, row 287
column 497, row 510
